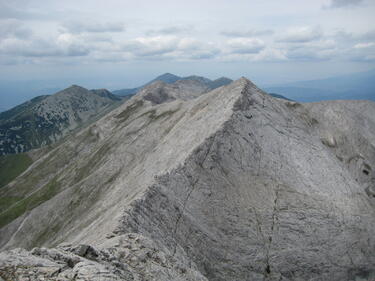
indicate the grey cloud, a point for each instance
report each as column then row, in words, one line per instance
column 356, row 37
column 248, row 50
column 13, row 28
column 315, row 50
column 94, row 27
column 342, row 3
column 248, row 33
column 367, row 36
column 208, row 54
column 71, row 52
column 9, row 11
column 308, row 55
column 314, row 46
column 143, row 51
column 302, row 35
column 97, row 38
column 370, row 35
column 39, row 48
column 151, row 46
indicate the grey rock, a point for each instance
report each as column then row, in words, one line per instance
column 232, row 184
column 169, row 78
column 126, row 258
column 160, row 92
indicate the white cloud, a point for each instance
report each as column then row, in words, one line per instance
column 245, row 45
column 64, row 45
column 169, row 47
column 271, row 55
column 247, row 33
column 342, row 3
column 151, row 46
column 93, row 26
column 99, row 39
column 189, row 44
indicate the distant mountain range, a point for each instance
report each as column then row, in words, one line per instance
column 45, row 119
column 171, row 78
column 357, row 86
column 351, row 86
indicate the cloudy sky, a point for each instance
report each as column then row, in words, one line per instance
column 116, row 44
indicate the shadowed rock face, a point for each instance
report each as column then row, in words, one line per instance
column 177, row 185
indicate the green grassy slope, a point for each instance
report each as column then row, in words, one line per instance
column 13, row 165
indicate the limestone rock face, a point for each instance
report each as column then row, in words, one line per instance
column 128, row 257
column 174, row 184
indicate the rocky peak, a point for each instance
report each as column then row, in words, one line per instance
column 167, row 77
column 75, row 88
column 46, row 119
column 160, row 92
column 231, row 184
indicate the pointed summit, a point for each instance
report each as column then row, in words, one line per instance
column 167, row 78
column 52, row 117
column 231, row 185
column 74, row 86
column 222, row 81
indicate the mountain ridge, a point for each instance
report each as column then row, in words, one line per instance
column 45, row 119
column 231, row 184
column 170, row 78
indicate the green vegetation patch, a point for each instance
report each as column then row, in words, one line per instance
column 13, row 165
column 6, row 201
column 167, row 113
column 27, row 204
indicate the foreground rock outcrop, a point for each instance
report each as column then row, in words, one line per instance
column 228, row 185
column 125, row 257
